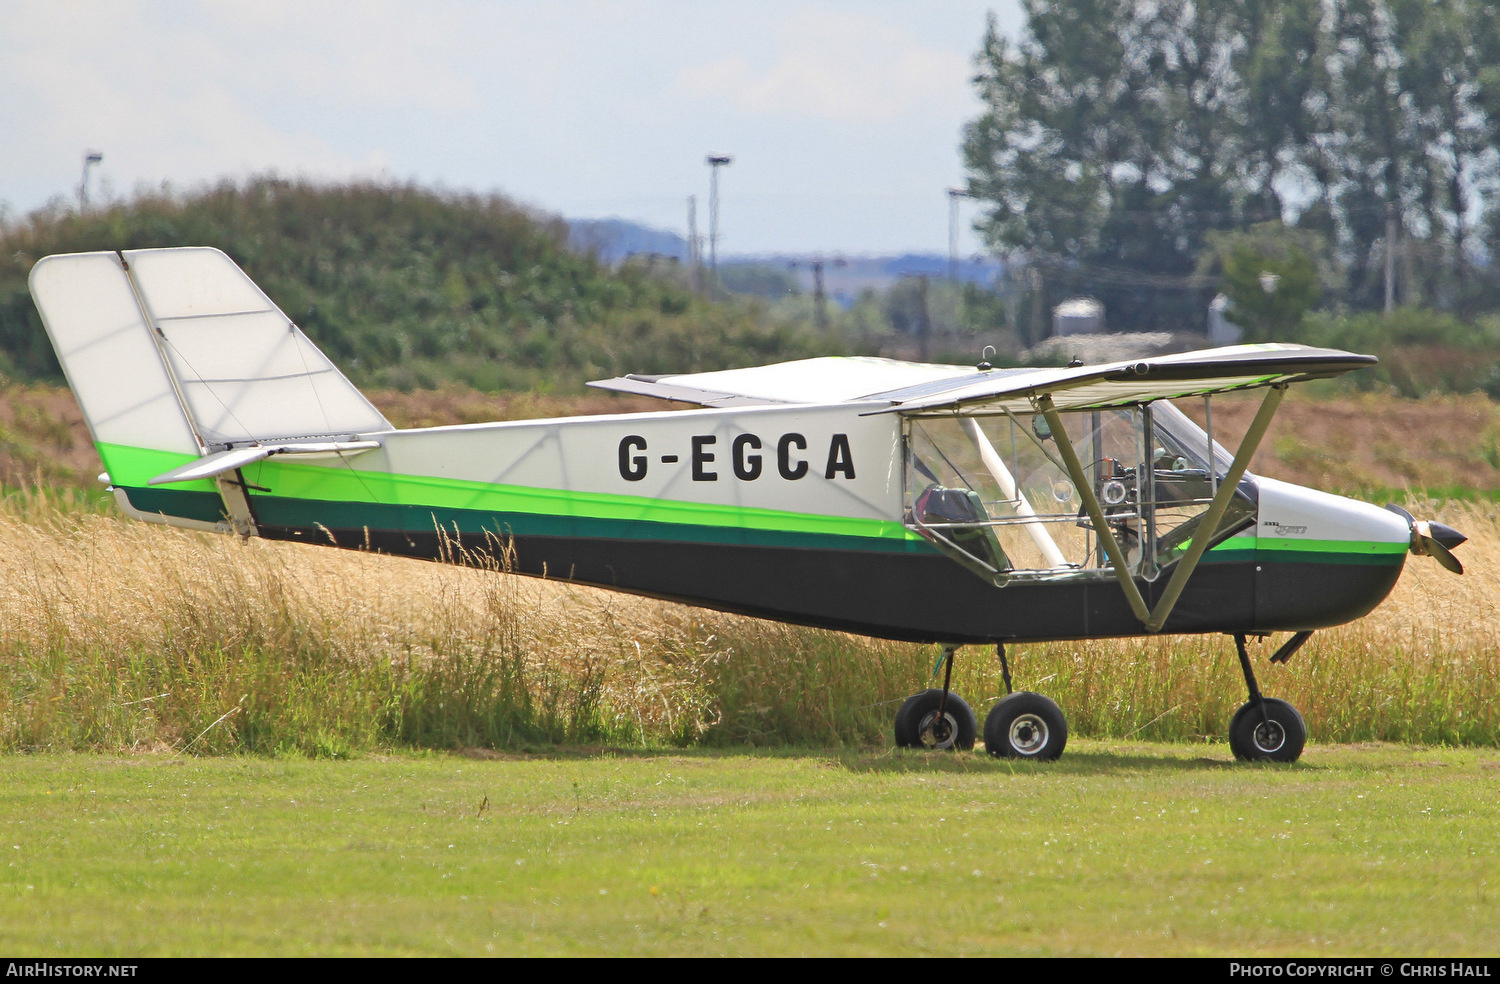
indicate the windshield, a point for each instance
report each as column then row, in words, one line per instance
column 1185, row 439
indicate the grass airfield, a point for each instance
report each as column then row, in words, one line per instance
column 1119, row 849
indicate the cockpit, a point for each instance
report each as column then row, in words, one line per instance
column 994, row 492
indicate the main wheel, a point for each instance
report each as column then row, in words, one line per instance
column 1276, row 736
column 918, row 724
column 1025, row 725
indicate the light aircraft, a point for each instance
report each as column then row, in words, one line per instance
column 942, row 504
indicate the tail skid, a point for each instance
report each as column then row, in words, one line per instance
column 186, row 371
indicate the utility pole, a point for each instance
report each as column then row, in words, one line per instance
column 820, row 295
column 90, row 158
column 715, row 161
column 1390, row 257
column 695, row 276
column 820, row 300
column 924, row 325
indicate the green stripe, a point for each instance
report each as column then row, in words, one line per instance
column 1283, row 550
column 134, row 467
column 1274, row 549
column 349, row 486
column 343, row 497
column 1297, row 545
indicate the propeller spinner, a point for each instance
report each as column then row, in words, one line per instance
column 1433, row 540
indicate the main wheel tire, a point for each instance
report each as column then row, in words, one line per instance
column 1278, row 736
column 918, row 725
column 1027, row 726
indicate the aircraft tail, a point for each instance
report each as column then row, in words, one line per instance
column 185, row 370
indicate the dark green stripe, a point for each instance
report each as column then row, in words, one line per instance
column 279, row 511
column 205, row 507
column 1357, row 559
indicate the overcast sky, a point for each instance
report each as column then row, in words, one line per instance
column 843, row 117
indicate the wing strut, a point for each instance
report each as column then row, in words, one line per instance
column 1091, row 503
column 1154, row 620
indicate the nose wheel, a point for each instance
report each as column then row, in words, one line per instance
column 1272, row 732
column 1266, row 729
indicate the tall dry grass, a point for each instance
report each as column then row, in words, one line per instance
column 121, row 635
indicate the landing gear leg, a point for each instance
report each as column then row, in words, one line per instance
column 937, row 719
column 1264, row 729
column 1023, row 725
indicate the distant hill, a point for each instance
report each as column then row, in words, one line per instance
column 410, row 288
column 612, row 240
column 844, row 277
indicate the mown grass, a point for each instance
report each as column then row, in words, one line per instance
column 121, row 636
column 1118, row 849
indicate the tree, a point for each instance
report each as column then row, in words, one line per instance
column 1272, row 274
column 1111, row 142
column 1116, row 135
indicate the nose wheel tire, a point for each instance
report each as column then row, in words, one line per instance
column 919, row 726
column 1277, row 735
column 1026, row 726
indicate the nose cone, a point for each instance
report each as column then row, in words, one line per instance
column 1446, row 535
column 1322, row 559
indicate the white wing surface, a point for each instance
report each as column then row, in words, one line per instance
column 816, row 381
column 911, row 387
column 1166, row 377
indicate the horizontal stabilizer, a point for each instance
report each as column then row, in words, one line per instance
column 225, row 461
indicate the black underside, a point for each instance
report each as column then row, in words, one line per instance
column 911, row 597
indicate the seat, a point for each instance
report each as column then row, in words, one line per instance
column 964, row 523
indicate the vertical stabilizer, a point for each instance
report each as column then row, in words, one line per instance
column 174, row 354
column 247, row 374
column 104, row 343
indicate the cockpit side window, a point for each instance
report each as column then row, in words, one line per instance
column 993, row 493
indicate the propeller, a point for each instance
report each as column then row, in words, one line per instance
column 1433, row 540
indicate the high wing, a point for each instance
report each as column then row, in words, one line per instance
column 1220, row 370
column 912, row 387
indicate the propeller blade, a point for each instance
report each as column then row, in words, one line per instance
column 1442, row 555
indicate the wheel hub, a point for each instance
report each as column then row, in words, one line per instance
column 1269, row 736
column 1028, row 734
column 938, row 732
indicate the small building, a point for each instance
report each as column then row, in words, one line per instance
column 1078, row 316
column 1222, row 331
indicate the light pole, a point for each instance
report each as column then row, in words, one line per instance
column 90, row 158
column 715, row 161
column 954, row 194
